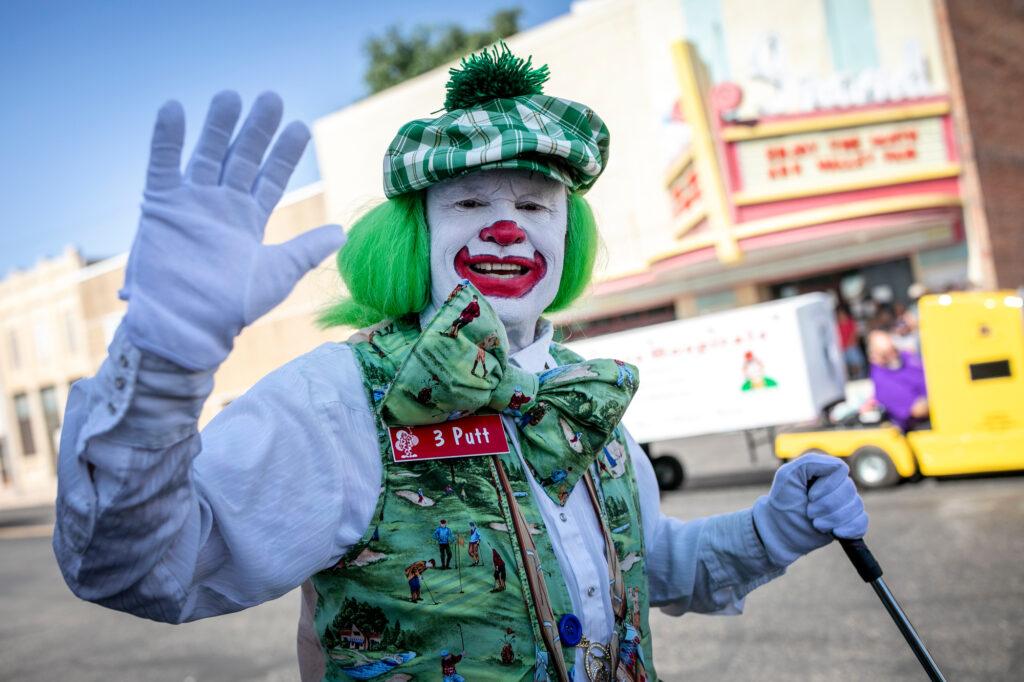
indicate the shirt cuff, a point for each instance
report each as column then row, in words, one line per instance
column 735, row 556
column 142, row 400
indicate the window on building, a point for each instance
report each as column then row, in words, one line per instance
column 704, row 29
column 851, row 35
column 23, row 413
column 44, row 342
column 5, row 468
column 720, row 300
column 70, row 335
column 51, row 415
column 942, row 268
column 12, row 348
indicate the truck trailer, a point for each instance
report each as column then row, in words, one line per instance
column 742, row 370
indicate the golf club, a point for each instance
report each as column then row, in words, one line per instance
column 458, row 558
column 862, row 559
column 427, row 588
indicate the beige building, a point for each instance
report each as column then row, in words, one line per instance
column 47, row 342
column 57, row 319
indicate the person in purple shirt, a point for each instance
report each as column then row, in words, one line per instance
column 899, row 382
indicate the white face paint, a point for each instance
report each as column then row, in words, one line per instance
column 503, row 230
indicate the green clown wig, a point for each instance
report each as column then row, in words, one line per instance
column 386, row 262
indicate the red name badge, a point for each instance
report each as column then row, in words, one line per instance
column 472, row 436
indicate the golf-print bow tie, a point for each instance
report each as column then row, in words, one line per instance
column 459, row 365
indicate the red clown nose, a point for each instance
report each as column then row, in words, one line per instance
column 503, row 233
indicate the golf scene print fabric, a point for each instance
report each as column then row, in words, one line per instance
column 437, row 588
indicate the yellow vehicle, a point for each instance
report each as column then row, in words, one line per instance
column 972, row 347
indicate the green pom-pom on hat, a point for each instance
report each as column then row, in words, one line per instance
column 493, row 74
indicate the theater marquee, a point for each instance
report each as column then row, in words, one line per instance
column 822, row 162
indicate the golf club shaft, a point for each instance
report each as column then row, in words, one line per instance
column 907, row 628
column 862, row 559
column 427, row 588
column 458, row 560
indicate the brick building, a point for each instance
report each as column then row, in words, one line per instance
column 984, row 40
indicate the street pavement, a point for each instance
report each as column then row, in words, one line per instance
column 951, row 551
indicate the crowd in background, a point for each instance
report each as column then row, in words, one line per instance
column 878, row 311
column 880, row 340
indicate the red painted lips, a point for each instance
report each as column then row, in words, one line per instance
column 510, row 277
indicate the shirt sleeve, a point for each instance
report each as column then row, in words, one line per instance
column 159, row 520
column 705, row 565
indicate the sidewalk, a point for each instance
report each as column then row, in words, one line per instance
column 24, row 522
column 13, row 500
column 717, row 455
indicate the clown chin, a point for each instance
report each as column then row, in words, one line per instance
column 520, row 316
column 517, row 299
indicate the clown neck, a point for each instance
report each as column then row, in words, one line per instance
column 503, row 230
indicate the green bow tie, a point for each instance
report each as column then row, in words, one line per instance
column 459, row 366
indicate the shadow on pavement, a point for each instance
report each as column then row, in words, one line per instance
column 26, row 516
column 735, row 479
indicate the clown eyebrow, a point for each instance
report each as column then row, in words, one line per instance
column 543, row 199
column 539, row 204
column 534, row 197
column 454, row 203
column 467, row 191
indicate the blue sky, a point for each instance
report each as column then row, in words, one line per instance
column 81, row 82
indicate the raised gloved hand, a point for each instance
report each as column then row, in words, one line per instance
column 198, row 271
column 812, row 498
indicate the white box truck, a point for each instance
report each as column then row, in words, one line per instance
column 764, row 365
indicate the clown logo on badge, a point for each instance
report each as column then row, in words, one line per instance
column 405, row 442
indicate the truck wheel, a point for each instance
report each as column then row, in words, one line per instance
column 871, row 467
column 669, row 472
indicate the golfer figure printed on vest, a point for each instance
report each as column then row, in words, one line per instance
column 467, row 315
column 485, row 229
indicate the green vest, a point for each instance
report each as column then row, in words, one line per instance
column 389, row 611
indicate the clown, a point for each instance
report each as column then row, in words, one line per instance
column 294, row 483
column 753, row 372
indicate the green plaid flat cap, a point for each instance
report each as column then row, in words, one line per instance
column 498, row 118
